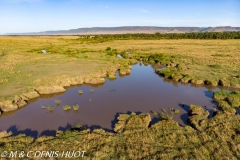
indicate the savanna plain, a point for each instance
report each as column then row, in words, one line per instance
column 27, row 72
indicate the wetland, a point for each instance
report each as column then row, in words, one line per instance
column 141, row 91
column 162, row 101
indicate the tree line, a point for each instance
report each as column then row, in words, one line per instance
column 146, row 36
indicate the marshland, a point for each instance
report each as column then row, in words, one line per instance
column 163, row 99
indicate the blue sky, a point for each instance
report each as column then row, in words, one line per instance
column 18, row 16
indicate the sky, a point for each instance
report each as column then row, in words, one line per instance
column 19, row 16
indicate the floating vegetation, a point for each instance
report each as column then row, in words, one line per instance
column 76, row 107
column 80, row 91
column 43, row 107
column 50, row 108
column 67, row 107
column 57, row 102
column 91, row 90
column 90, row 100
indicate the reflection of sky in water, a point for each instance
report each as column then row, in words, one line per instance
column 141, row 91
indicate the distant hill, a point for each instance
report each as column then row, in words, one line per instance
column 132, row 29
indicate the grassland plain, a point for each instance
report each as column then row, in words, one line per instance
column 26, row 72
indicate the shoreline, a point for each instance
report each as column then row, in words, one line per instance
column 22, row 100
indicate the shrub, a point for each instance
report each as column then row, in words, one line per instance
column 90, row 100
column 43, row 107
column 91, row 90
column 80, row 91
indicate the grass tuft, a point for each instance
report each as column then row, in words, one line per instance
column 80, row 91
column 76, row 107
column 67, row 107
column 155, row 114
column 57, row 102
column 50, row 108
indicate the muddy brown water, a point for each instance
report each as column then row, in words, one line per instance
column 140, row 91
